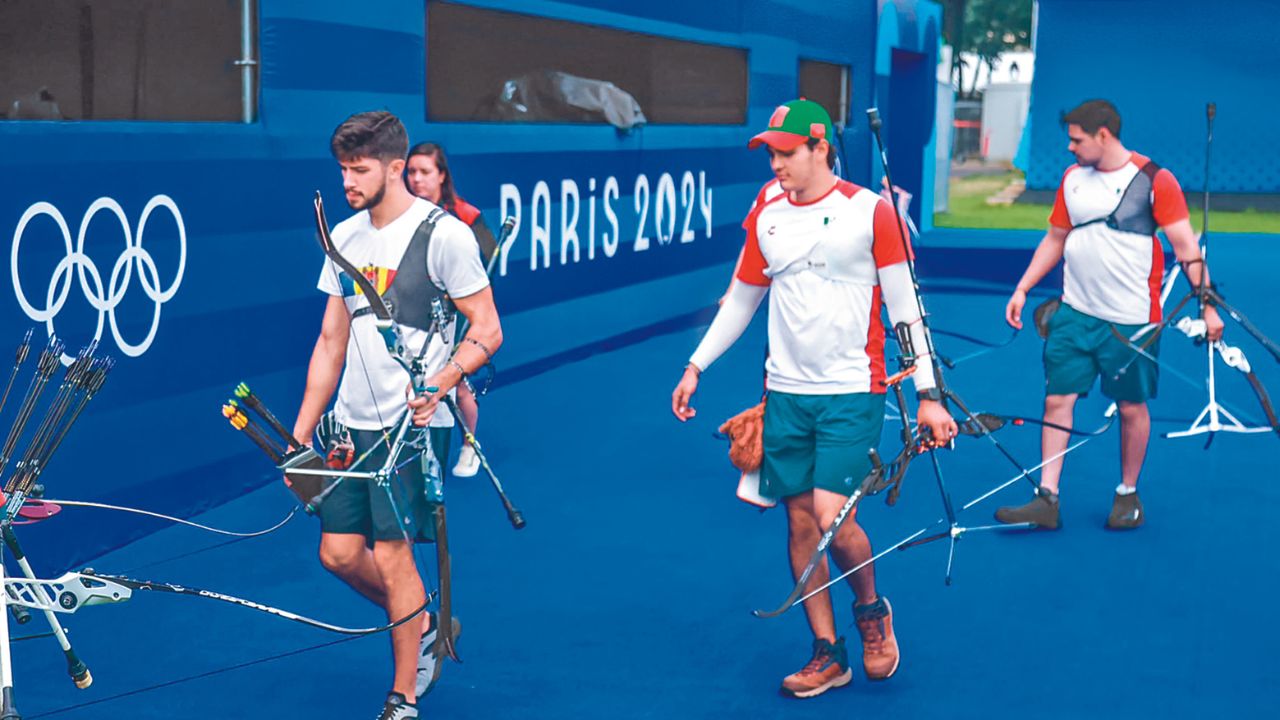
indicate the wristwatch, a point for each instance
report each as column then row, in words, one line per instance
column 932, row 393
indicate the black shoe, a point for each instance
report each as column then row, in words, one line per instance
column 1042, row 512
column 1126, row 512
column 397, row 708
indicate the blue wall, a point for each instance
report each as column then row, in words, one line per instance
column 907, row 41
column 1160, row 62
column 246, row 308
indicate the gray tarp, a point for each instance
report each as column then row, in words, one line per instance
column 550, row 96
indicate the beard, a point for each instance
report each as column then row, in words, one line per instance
column 363, row 202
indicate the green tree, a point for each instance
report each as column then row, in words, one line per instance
column 953, row 32
column 992, row 27
column 985, row 28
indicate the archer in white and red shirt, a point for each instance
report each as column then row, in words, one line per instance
column 824, row 257
column 829, row 255
column 1103, row 227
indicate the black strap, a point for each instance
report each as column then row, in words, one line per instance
column 1139, row 210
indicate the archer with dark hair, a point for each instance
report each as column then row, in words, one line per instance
column 1093, row 115
column 1103, row 228
column 831, row 151
column 414, row 255
column 428, row 176
column 376, row 135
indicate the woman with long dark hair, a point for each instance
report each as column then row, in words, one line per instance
column 427, row 175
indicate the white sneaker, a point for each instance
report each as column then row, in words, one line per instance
column 468, row 462
column 428, row 660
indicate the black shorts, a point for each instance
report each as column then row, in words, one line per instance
column 364, row 507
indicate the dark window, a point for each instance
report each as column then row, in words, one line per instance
column 117, row 60
column 828, row 85
column 488, row 65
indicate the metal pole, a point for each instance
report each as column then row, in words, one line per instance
column 1211, row 110
column 7, row 709
column 246, row 62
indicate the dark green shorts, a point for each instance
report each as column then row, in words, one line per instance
column 1080, row 348
column 819, row 441
column 362, row 507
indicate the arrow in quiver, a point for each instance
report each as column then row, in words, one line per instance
column 300, row 457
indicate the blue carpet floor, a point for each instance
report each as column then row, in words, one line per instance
column 628, row 595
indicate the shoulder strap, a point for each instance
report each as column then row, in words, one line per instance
column 424, row 232
column 411, row 291
column 1135, row 213
column 1145, row 177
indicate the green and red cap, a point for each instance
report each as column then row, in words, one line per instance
column 793, row 124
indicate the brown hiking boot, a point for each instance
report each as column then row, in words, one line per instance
column 1126, row 512
column 828, row 669
column 1042, row 511
column 879, row 646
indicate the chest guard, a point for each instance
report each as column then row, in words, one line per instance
column 1134, row 213
column 411, row 293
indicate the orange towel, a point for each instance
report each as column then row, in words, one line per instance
column 746, row 438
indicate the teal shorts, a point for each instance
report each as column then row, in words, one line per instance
column 1080, row 348
column 362, row 507
column 819, row 441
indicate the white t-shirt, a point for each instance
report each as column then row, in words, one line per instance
column 1112, row 274
column 373, row 391
column 822, row 261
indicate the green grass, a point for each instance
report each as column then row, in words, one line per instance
column 968, row 208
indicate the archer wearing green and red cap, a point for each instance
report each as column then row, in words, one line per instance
column 831, row 253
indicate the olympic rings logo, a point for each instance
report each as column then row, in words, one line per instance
column 103, row 298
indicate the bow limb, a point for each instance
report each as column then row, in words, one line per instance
column 819, row 552
column 874, row 482
column 1264, row 399
column 444, row 645
column 383, row 321
column 173, row 589
column 1234, row 357
column 376, row 303
column 1164, row 366
column 1212, row 296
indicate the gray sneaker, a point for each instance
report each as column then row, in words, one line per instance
column 428, row 661
column 1041, row 511
column 1126, row 512
column 397, row 708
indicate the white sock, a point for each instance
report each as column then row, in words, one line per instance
column 1123, row 489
